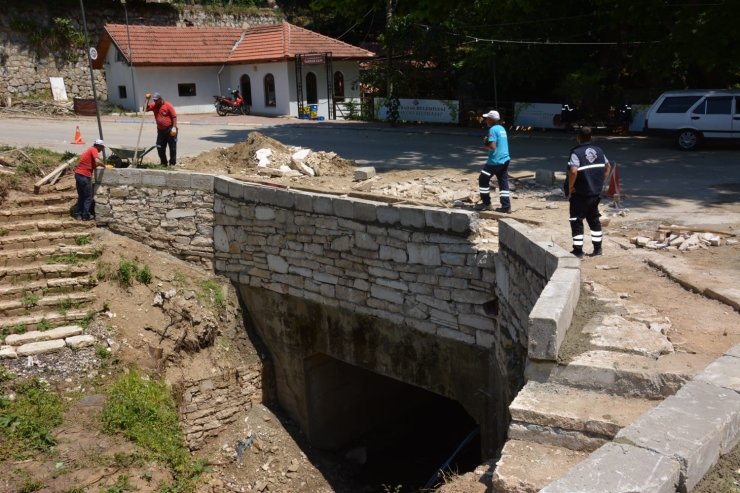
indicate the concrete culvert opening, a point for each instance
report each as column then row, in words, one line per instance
column 386, row 432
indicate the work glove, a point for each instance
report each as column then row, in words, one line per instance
column 173, row 132
column 148, row 95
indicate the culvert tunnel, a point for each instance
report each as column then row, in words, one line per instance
column 399, row 404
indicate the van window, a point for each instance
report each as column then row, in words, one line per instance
column 677, row 104
column 719, row 106
column 737, row 105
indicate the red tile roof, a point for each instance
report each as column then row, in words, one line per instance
column 177, row 46
column 284, row 41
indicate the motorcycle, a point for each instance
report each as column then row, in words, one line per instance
column 235, row 105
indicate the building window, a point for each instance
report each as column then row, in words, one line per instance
column 122, row 92
column 120, row 57
column 270, row 90
column 338, row 86
column 185, row 90
column 312, row 96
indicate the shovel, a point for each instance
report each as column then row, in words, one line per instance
column 138, row 139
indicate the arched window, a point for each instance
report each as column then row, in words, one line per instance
column 312, row 96
column 270, row 90
column 246, row 84
column 338, row 86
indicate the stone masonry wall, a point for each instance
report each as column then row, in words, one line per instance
column 23, row 72
column 172, row 212
column 415, row 267
column 212, row 403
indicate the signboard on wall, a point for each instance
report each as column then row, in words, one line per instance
column 421, row 110
column 57, row 88
column 313, row 58
column 538, row 115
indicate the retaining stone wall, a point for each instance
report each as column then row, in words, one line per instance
column 171, row 212
column 22, row 73
column 212, row 403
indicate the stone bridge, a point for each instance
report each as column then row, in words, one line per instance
column 363, row 306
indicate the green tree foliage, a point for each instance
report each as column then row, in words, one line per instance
column 590, row 51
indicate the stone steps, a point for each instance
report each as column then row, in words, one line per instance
column 74, row 253
column 572, row 418
column 616, row 373
column 53, row 318
column 39, row 342
column 9, row 291
column 566, row 411
column 33, row 271
column 24, row 200
column 30, row 303
column 40, row 240
column 45, row 212
column 49, row 225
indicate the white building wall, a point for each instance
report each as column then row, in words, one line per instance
column 165, row 80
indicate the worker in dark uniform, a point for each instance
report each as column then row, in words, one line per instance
column 588, row 169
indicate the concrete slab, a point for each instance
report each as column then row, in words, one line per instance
column 734, row 351
column 722, row 372
column 40, row 347
column 80, row 341
column 45, row 335
column 693, row 427
column 618, row 468
column 620, row 373
column 569, row 408
column 539, row 464
column 615, row 332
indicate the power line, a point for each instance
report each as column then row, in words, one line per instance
column 567, row 43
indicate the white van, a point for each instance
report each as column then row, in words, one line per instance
column 693, row 115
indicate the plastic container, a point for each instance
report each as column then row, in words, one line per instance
column 313, row 111
column 321, row 118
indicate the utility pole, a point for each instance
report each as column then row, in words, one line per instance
column 92, row 53
column 388, row 47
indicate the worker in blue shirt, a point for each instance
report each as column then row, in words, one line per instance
column 497, row 165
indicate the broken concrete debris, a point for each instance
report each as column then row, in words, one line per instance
column 681, row 241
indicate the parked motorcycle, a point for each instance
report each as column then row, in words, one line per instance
column 235, row 104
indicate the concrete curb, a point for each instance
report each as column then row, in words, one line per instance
column 675, row 443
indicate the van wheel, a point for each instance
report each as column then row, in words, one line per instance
column 688, row 140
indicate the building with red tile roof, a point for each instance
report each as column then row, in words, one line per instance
column 279, row 68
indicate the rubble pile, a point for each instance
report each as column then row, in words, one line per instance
column 682, row 240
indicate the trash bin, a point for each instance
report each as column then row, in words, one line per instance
column 313, row 111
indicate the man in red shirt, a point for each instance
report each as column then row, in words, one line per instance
column 166, row 118
column 89, row 160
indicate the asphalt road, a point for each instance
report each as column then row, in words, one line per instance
column 697, row 187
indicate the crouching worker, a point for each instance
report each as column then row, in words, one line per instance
column 89, row 160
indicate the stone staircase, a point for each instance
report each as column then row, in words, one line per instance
column 566, row 411
column 46, row 271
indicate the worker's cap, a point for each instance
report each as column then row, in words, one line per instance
column 99, row 142
column 493, row 114
column 156, row 96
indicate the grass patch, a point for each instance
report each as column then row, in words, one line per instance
column 30, row 300
column 101, row 351
column 13, row 329
column 179, row 279
column 212, row 295
column 26, row 422
column 144, row 412
column 4, row 231
column 122, row 484
column 66, row 305
column 44, row 325
column 127, row 272
column 72, row 259
column 89, row 317
column 83, row 240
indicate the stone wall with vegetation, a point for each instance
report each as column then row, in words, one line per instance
column 40, row 40
column 209, row 404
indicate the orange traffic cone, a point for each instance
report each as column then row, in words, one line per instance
column 78, row 137
column 614, row 184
